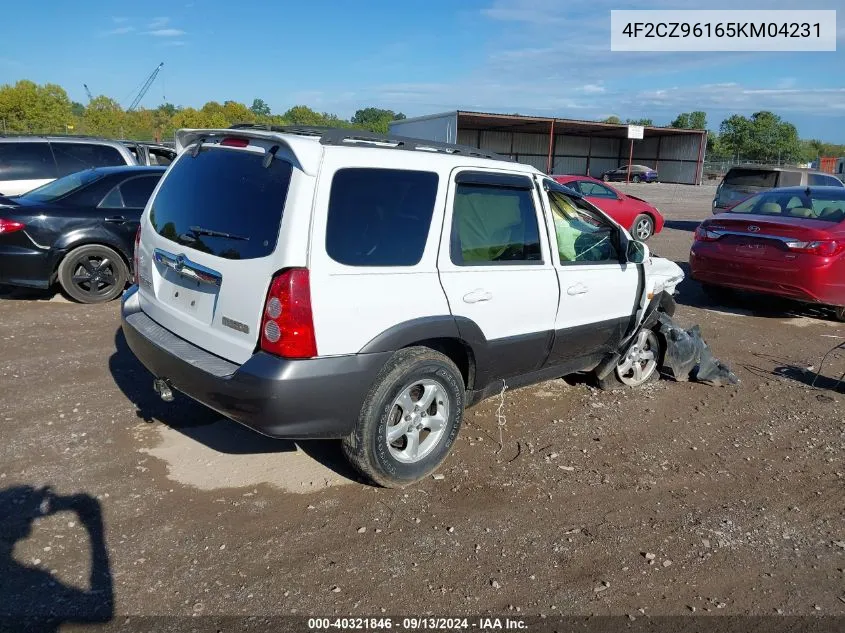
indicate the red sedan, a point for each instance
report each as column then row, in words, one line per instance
column 635, row 214
column 788, row 242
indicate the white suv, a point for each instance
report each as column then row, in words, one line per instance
column 331, row 284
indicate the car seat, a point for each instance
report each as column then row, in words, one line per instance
column 832, row 214
column 771, row 208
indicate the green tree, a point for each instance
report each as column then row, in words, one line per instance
column 28, row 107
column 612, row 119
column 763, row 136
column 104, row 117
column 375, row 119
column 696, row 120
column 260, row 108
column 645, row 122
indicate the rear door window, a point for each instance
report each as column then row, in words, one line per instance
column 26, row 161
column 137, row 191
column 379, row 217
column 223, row 202
column 752, row 178
column 73, row 157
column 494, row 225
column 822, row 180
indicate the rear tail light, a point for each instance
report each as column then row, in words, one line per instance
column 10, row 226
column 136, row 258
column 287, row 326
column 703, row 234
column 232, row 141
column 822, row 248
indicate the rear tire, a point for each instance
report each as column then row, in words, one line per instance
column 640, row 365
column 635, row 178
column 839, row 312
column 643, row 227
column 93, row 274
column 605, row 177
column 409, row 419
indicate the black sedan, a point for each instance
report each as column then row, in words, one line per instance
column 79, row 230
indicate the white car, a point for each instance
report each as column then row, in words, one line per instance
column 28, row 162
column 336, row 284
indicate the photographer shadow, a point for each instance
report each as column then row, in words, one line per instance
column 33, row 599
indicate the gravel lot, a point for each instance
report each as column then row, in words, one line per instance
column 672, row 500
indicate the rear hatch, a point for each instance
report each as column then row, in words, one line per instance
column 738, row 184
column 209, row 239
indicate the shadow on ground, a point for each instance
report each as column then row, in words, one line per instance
column 812, row 376
column 12, row 293
column 33, row 598
column 205, row 426
column 681, row 225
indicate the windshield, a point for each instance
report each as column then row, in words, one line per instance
column 827, row 206
column 752, row 178
column 62, row 186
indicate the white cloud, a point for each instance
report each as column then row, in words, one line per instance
column 592, row 88
column 175, row 43
column 121, row 30
column 158, row 23
column 166, row 32
column 119, row 20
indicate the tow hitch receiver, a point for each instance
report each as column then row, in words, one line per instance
column 162, row 388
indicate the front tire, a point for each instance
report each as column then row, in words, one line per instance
column 93, row 274
column 409, row 419
column 839, row 313
column 605, row 177
column 643, row 227
column 639, row 366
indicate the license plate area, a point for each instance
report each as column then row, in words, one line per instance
column 186, row 287
column 752, row 249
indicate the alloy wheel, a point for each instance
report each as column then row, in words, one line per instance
column 418, row 420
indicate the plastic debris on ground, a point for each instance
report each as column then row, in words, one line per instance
column 689, row 358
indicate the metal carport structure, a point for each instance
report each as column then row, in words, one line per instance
column 566, row 146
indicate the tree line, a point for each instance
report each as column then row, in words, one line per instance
column 26, row 107
column 763, row 136
column 46, row 109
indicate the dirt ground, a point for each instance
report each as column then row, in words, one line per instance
column 671, row 500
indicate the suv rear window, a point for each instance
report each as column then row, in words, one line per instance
column 73, row 157
column 752, row 178
column 26, row 161
column 223, row 191
column 380, row 217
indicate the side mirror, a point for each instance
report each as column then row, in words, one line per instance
column 636, row 252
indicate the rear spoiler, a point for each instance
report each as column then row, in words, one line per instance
column 305, row 153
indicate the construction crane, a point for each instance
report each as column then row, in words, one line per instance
column 88, row 92
column 145, row 87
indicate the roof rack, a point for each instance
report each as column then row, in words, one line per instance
column 346, row 136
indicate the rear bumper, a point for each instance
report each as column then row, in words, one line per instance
column 819, row 284
column 294, row 399
column 24, row 266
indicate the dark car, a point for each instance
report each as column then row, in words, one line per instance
column 744, row 181
column 79, row 230
column 639, row 173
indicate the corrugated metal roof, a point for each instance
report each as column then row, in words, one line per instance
column 520, row 123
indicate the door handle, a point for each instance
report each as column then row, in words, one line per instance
column 116, row 219
column 577, row 289
column 479, row 294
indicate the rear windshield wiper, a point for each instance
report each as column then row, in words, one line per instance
column 198, row 230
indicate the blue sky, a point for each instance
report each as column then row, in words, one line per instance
column 547, row 57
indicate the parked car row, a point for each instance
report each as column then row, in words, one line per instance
column 27, row 162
